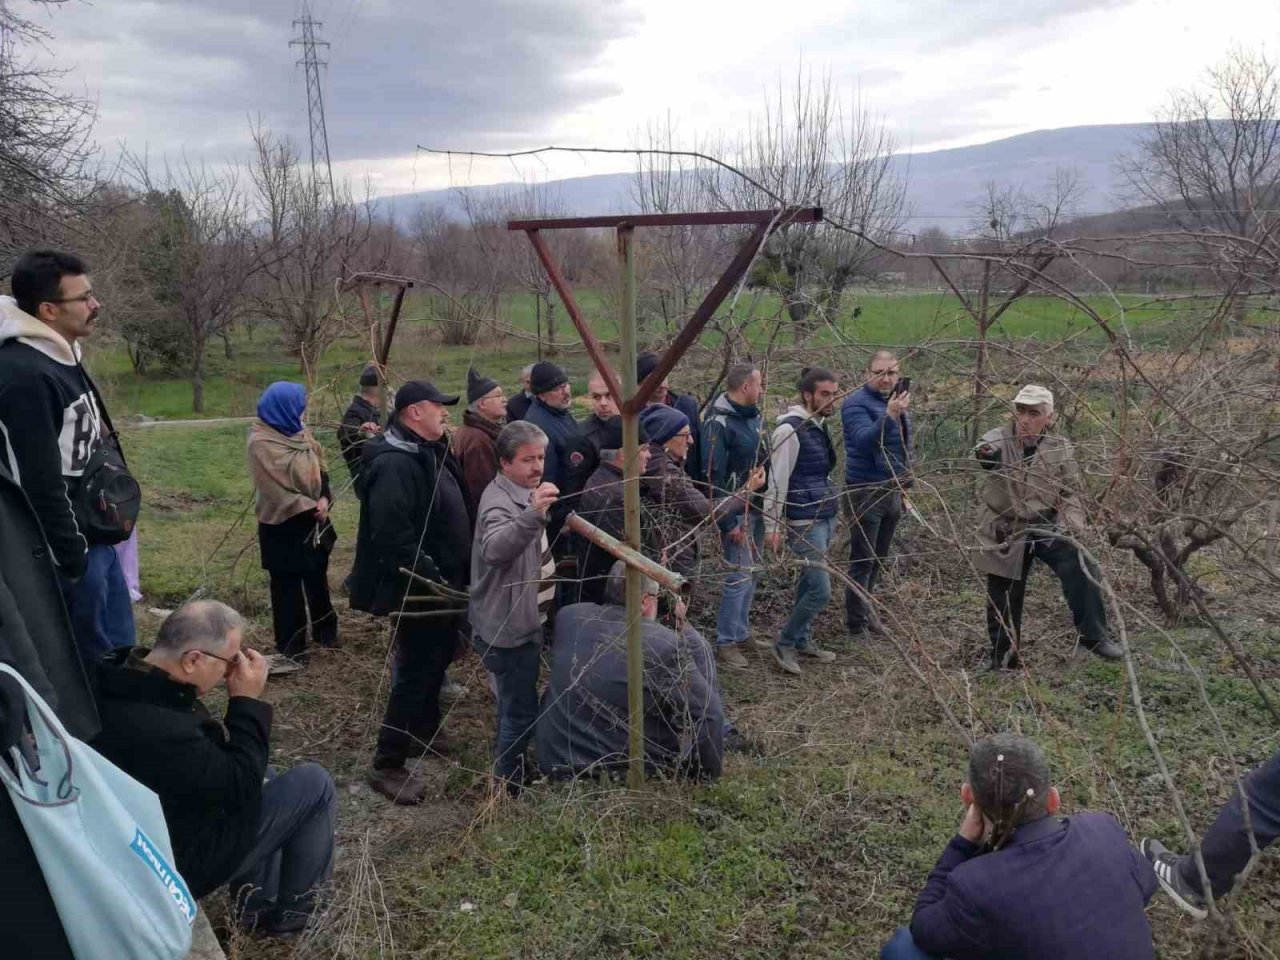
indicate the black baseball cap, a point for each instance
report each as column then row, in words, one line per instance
column 415, row 391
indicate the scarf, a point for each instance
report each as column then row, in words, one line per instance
column 281, row 406
column 286, row 472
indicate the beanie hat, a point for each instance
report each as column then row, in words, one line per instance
column 646, row 363
column 662, row 422
column 369, row 376
column 478, row 386
column 545, row 377
column 1033, row 396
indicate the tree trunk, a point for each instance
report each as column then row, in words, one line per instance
column 198, row 346
column 799, row 312
column 551, row 326
column 228, row 347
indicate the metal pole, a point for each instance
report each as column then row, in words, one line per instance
column 631, row 510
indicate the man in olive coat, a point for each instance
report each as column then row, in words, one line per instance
column 1031, row 490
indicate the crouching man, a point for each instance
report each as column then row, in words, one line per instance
column 1033, row 481
column 582, row 726
column 271, row 841
column 1019, row 883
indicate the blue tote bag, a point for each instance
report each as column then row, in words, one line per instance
column 102, row 844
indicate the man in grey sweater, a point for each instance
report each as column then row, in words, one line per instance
column 512, row 589
column 582, row 727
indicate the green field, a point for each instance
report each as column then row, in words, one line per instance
column 813, row 847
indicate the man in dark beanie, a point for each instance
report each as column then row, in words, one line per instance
column 473, row 443
column 568, row 450
column 684, row 402
column 362, row 420
column 602, row 504
column 413, row 516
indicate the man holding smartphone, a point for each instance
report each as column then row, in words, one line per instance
column 877, row 471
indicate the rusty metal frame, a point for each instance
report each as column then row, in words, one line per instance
column 361, row 282
column 631, row 397
column 765, row 222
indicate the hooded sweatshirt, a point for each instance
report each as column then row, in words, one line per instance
column 731, row 449
column 50, row 424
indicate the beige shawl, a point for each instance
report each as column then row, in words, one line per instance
column 285, row 471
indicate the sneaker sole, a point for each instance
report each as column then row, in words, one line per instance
column 1172, row 892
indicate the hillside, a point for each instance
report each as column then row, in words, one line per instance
column 942, row 185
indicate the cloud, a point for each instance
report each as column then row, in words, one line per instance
column 185, row 76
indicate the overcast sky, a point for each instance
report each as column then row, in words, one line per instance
column 184, row 76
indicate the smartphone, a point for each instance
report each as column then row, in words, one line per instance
column 902, row 386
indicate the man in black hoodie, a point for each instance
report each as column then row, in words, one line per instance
column 51, row 422
column 414, row 516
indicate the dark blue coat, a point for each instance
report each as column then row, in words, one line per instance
column 875, row 449
column 809, row 493
column 730, row 449
column 1061, row 889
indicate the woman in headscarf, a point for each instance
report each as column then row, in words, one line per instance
column 294, row 532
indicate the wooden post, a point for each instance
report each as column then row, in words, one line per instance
column 631, row 510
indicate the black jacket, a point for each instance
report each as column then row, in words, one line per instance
column 518, row 406
column 602, row 504
column 413, row 514
column 350, row 440
column 36, row 640
column 50, row 424
column 209, row 780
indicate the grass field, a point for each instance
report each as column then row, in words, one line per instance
column 816, row 845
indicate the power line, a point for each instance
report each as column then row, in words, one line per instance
column 321, row 169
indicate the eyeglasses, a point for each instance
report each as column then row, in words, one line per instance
column 229, row 661
column 83, row 298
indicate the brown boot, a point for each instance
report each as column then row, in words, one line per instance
column 398, row 785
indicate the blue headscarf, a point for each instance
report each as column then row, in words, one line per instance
column 281, row 406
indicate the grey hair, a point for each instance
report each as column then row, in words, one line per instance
column 739, row 374
column 514, row 436
column 615, row 588
column 199, row 624
column 528, row 370
column 881, row 355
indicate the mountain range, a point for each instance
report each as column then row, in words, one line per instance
column 944, row 187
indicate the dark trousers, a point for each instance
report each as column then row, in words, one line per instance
column 516, row 672
column 1084, row 598
column 423, row 649
column 292, row 856
column 99, row 606
column 1225, row 846
column 873, row 513
column 293, row 597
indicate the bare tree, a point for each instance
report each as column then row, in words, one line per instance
column 202, row 256
column 811, row 149
column 311, row 238
column 1212, row 165
column 459, row 261
column 45, row 147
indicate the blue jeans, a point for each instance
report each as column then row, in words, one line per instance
column 292, row 855
column 99, row 607
column 814, row 589
column 902, row 947
column 733, row 620
column 516, row 672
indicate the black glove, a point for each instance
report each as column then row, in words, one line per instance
column 424, row 566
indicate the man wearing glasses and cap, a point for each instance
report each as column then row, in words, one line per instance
column 1033, row 488
column 414, row 516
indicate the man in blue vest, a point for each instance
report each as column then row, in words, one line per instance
column 877, row 468
column 801, row 500
column 569, row 452
column 731, row 450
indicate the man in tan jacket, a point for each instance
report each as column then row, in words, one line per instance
column 1033, row 481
